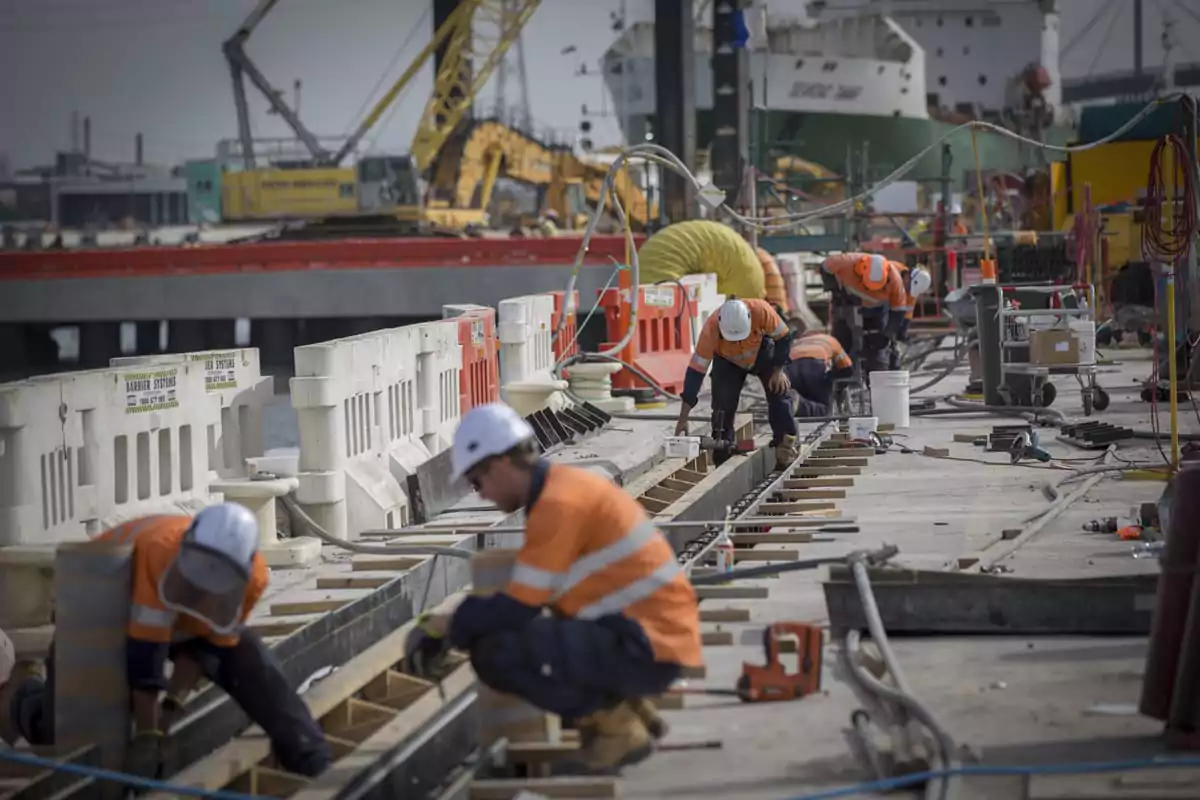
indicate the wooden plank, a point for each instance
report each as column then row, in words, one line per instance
column 724, row 615
column 661, row 492
column 695, row 673
column 689, row 475
column 853, row 453
column 782, row 537
column 824, row 471
column 817, row 483
column 586, row 786
column 268, row 782
column 386, row 564
column 813, row 494
column 237, row 756
column 796, row 508
column 1164, row 783
column 308, row 606
column 765, row 554
column 539, row 752
column 281, row 626
column 371, row 582
column 653, row 506
column 676, row 485
column 669, row 702
column 716, row 638
column 732, row 592
column 840, row 461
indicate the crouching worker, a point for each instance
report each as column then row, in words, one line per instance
column 744, row 337
column 818, row 360
column 195, row 581
column 624, row 618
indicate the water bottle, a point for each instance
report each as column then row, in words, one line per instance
column 724, row 546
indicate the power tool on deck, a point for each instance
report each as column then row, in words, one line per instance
column 721, row 447
column 771, row 681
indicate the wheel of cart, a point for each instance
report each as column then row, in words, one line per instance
column 1093, row 395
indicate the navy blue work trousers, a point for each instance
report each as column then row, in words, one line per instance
column 727, row 381
column 249, row 674
column 875, row 354
column 572, row 667
column 813, row 383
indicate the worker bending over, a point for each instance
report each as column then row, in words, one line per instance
column 744, row 337
column 865, row 283
column 624, row 619
column 195, row 581
column 818, row 360
column 916, row 283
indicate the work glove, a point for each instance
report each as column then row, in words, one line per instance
column 144, row 756
column 424, row 651
column 778, row 383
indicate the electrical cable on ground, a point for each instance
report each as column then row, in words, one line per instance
column 132, row 781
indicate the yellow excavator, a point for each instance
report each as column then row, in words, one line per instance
column 379, row 192
column 469, row 165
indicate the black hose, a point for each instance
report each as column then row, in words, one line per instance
column 769, row 569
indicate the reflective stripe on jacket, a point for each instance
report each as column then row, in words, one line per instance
column 842, row 267
column 590, row 552
column 156, row 541
column 910, row 300
column 763, row 322
column 815, row 344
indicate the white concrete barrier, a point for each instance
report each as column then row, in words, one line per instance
column 234, row 376
column 371, row 409
column 703, row 290
column 527, row 353
column 82, row 451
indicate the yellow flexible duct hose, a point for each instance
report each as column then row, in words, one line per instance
column 698, row 246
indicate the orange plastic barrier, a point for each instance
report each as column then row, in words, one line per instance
column 662, row 343
column 564, row 344
column 480, row 382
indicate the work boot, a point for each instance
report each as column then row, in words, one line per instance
column 608, row 740
column 648, row 714
column 785, row 452
column 22, row 671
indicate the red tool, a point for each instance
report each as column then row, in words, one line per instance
column 772, row 681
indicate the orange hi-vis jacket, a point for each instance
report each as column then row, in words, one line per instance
column 909, row 300
column 763, row 322
column 891, row 295
column 156, row 542
column 815, row 344
column 590, row 551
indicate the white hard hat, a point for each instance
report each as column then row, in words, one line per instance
column 207, row 580
column 486, row 431
column 919, row 282
column 733, row 320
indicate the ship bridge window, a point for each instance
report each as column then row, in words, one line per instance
column 983, row 80
column 941, row 80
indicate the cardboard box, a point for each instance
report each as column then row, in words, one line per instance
column 1053, row 346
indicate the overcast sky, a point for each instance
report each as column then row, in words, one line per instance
column 156, row 65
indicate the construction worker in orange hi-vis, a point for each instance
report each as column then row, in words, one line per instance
column 818, row 359
column 917, row 282
column 868, row 306
column 195, row 581
column 623, row 622
column 744, row 337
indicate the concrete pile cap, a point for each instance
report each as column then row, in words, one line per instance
column 8, row 657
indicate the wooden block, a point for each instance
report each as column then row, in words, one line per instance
column 885, row 427
column 836, row 462
column 396, row 690
column 936, row 452
column 783, row 537
column 716, row 638
column 815, row 483
column 824, row 471
column 967, row 438
column 694, row 673
column 813, row 494
column 732, row 592
column 370, row 582
column 308, row 606
column 386, row 564
column 501, row 789
column 281, row 626
column 662, row 493
column 796, row 508
column 1010, row 533
column 724, row 615
column 669, row 702
column 539, row 752
column 268, row 782
column 689, row 475
column 859, row 453
column 676, row 485
column 653, row 506
column 765, row 554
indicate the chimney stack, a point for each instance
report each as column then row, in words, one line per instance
column 137, row 150
column 87, row 138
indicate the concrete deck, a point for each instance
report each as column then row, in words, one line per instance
column 1011, row 700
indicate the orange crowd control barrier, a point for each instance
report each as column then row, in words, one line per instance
column 480, row 382
column 662, row 342
column 564, row 342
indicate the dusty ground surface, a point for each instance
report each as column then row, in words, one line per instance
column 1011, row 700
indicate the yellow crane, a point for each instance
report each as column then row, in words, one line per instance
column 475, row 38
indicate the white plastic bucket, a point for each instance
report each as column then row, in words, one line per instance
column 862, row 427
column 889, row 397
column 1085, row 334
